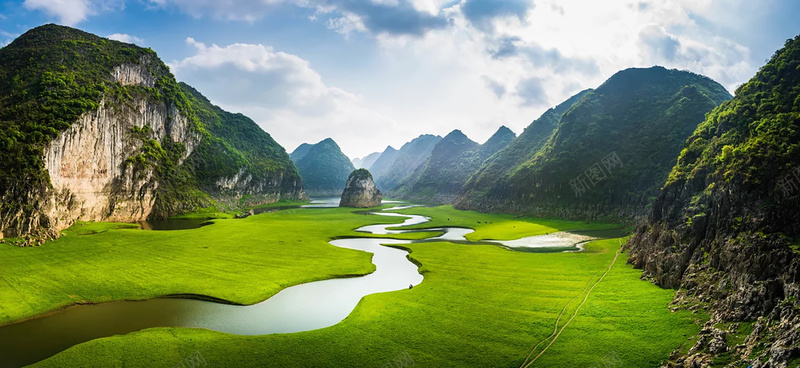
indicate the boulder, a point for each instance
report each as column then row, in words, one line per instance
column 360, row 191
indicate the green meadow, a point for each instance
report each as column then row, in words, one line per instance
column 478, row 306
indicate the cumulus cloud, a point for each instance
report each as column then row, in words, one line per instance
column 123, row 37
column 72, row 12
column 496, row 87
column 280, row 91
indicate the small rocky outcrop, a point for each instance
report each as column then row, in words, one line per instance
column 360, row 191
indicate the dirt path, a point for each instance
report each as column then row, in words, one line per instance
column 526, row 363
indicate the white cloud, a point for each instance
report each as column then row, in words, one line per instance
column 346, row 24
column 476, row 78
column 282, row 93
column 123, row 37
column 453, row 72
column 72, row 12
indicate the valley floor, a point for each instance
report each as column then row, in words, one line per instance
column 478, row 306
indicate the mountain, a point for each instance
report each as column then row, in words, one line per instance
column 384, row 162
column 324, row 169
column 491, row 175
column 367, row 161
column 300, row 152
column 725, row 228
column 408, row 158
column 95, row 129
column 441, row 178
column 610, row 152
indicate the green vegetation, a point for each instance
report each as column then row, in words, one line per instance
column 498, row 226
column 407, row 159
column 642, row 115
column 360, row 174
column 48, row 77
column 324, row 167
column 441, row 177
column 498, row 167
column 98, row 262
column 753, row 138
column 479, row 306
column 235, row 143
column 737, row 178
column 51, row 75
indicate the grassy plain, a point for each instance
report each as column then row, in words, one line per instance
column 499, row 226
column 98, row 262
column 479, row 305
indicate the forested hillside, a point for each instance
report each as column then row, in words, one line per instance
column 725, row 229
column 323, row 167
column 610, row 152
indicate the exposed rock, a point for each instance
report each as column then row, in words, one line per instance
column 87, row 162
column 726, row 234
column 142, row 147
column 360, row 191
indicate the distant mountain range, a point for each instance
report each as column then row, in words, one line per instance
column 367, row 161
column 323, row 167
column 453, row 159
column 383, row 163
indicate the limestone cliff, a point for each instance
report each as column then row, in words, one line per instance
column 360, row 191
column 88, row 165
column 99, row 130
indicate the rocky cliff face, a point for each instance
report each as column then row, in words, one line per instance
column 726, row 227
column 360, row 191
column 88, row 163
column 98, row 130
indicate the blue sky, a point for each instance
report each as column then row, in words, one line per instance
column 371, row 73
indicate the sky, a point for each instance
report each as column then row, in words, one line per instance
column 372, row 73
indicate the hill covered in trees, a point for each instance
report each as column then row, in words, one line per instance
column 323, row 167
column 390, row 172
column 609, row 153
column 95, row 129
column 725, row 227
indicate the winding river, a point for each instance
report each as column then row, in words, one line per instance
column 298, row 308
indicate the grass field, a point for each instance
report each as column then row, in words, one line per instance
column 479, row 306
column 97, row 262
column 499, row 226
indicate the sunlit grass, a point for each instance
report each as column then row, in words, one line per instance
column 479, row 306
